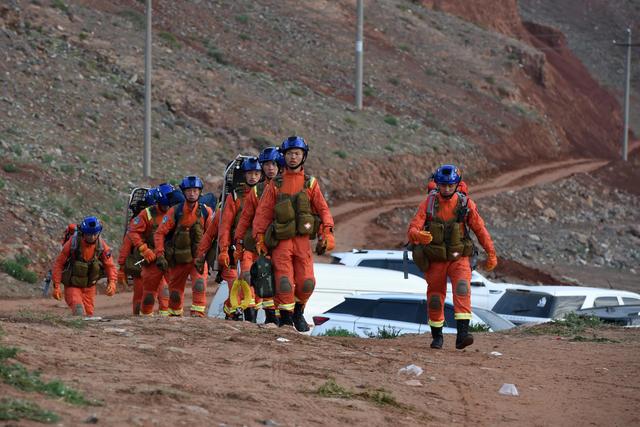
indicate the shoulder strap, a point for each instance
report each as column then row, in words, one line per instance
column 432, row 204
column 75, row 247
column 177, row 213
column 204, row 211
column 463, row 209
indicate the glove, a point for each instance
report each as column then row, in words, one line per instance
column 56, row 294
column 111, row 289
column 237, row 254
column 492, row 261
column 223, row 257
column 329, row 238
column 147, row 253
column 418, row 237
column 122, row 277
column 162, row 263
column 261, row 248
column 199, row 264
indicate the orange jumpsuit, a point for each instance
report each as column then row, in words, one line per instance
column 246, row 218
column 179, row 273
column 459, row 271
column 292, row 258
column 81, row 300
column 233, row 207
column 152, row 282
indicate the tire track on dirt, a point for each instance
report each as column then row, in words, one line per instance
column 356, row 220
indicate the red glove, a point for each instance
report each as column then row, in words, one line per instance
column 223, row 257
column 56, row 294
column 261, row 248
column 420, row 237
column 492, row 261
column 122, row 277
column 237, row 254
column 147, row 253
column 111, row 289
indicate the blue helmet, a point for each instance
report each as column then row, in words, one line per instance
column 90, row 225
column 271, row 154
column 151, row 197
column 164, row 190
column 191, row 181
column 447, row 174
column 251, row 164
column 294, row 142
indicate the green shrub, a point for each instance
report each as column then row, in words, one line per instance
column 243, row 19
column 2, row 184
column 332, row 389
column 66, row 168
column 19, row 271
column 394, row 81
column 10, row 167
column 47, row 158
column 390, row 120
column 340, row 154
column 59, row 4
column 369, row 91
column 478, row 327
column 17, row 409
column 217, row 56
column 170, row 39
column 244, row 36
column 385, row 333
column 350, row 121
column 297, row 91
column 338, row 332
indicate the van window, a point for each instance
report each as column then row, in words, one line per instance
column 354, row 306
column 605, row 301
column 396, row 264
column 536, row 304
column 630, row 301
column 400, row 311
column 375, row 263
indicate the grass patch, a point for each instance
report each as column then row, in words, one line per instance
column 385, row 333
column 47, row 159
column 10, row 168
column 18, row 270
column 369, row 91
column 297, row 91
column 2, row 183
column 111, row 96
column 66, row 169
column 380, row 397
column 478, row 327
column 169, row 39
column 390, row 120
column 572, row 325
column 394, row 81
column 332, row 389
column 17, row 409
column 404, row 47
column 350, row 121
column 28, row 316
column 7, row 352
column 243, row 19
column 338, row 332
column 340, row 153
column 61, row 5
column 217, row 56
column 244, row 37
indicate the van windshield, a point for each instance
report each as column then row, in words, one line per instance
column 518, row 302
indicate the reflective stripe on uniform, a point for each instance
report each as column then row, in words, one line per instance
column 146, row 314
column 435, row 324
column 163, row 312
column 288, row 307
column 268, row 303
column 462, row 316
column 199, row 308
column 228, row 310
column 258, row 306
column 173, row 312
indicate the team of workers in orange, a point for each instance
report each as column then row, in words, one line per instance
column 274, row 211
column 440, row 233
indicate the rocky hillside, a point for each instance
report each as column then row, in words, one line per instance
column 443, row 81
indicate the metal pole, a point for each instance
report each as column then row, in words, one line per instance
column 625, row 140
column 359, row 49
column 146, row 168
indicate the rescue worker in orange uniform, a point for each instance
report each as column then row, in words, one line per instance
column 79, row 266
column 183, row 227
column 441, row 230
column 271, row 161
column 291, row 211
column 152, row 280
column 233, row 208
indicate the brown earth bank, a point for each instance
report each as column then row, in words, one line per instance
column 183, row 371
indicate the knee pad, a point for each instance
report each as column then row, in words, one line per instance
column 285, row 284
column 462, row 288
column 308, row 285
column 199, row 285
column 175, row 297
column 148, row 300
column 435, row 303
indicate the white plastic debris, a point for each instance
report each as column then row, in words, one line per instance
column 411, row 370
column 495, row 353
column 280, row 339
column 508, row 390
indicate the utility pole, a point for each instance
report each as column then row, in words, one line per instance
column 359, row 49
column 625, row 136
column 146, row 167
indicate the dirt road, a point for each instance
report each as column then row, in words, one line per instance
column 354, row 221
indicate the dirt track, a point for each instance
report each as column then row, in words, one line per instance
column 354, row 221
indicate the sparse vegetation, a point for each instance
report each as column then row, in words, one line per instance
column 338, row 332
column 17, row 409
column 217, row 56
column 59, row 4
column 350, row 121
column 18, row 268
column 368, row 91
column 340, row 153
column 41, row 317
column 490, row 79
column 136, row 18
column 478, row 327
column 169, row 39
column 572, row 325
column 297, row 91
column 378, row 396
column 244, row 37
column 47, row 158
column 243, row 19
column 2, row 184
column 10, row 168
column 390, row 120
column 385, row 333
column 394, row 81
column 332, row 389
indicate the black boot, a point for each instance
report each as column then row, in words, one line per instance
column 285, row 318
column 438, row 339
column 298, row 318
column 464, row 338
column 250, row 315
column 270, row 317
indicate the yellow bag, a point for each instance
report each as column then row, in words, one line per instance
column 240, row 286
